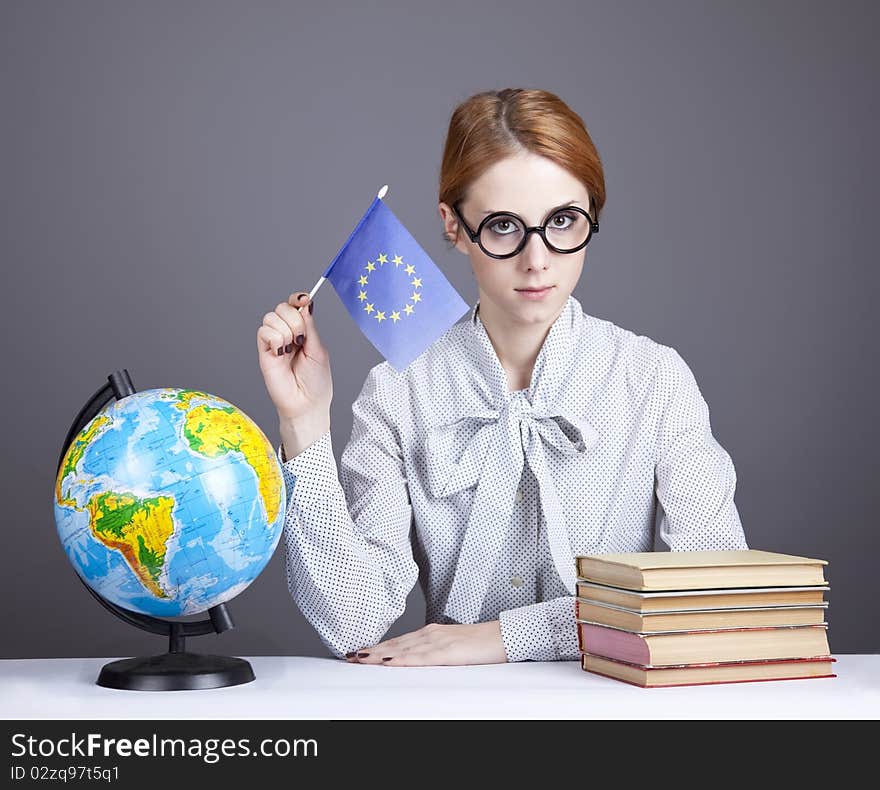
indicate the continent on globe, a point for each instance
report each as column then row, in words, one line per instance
column 75, row 453
column 137, row 528
column 213, row 431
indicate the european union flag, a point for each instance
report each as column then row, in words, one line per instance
column 392, row 289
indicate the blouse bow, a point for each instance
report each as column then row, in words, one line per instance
column 496, row 444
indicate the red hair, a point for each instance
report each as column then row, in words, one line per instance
column 493, row 125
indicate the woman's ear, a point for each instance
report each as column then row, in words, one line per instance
column 451, row 232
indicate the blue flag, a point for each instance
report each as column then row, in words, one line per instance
column 392, row 289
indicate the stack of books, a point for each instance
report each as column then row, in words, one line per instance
column 696, row 617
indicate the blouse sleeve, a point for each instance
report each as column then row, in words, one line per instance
column 694, row 475
column 349, row 558
column 545, row 631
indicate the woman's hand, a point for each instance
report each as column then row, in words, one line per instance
column 295, row 364
column 438, row 645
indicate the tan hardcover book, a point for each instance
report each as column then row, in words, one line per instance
column 667, row 600
column 708, row 673
column 617, row 617
column 688, row 647
column 698, row 570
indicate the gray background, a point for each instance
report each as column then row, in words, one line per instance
column 171, row 170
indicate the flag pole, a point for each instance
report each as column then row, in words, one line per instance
column 317, row 285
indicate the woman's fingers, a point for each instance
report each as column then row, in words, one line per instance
column 284, row 329
column 415, row 658
column 424, row 638
column 438, row 645
column 270, row 341
column 276, row 322
column 294, row 321
column 313, row 348
column 298, row 299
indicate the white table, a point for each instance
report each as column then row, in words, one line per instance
column 328, row 688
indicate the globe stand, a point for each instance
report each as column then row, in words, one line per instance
column 177, row 669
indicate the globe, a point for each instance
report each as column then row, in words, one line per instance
column 169, row 502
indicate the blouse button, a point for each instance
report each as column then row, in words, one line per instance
column 519, row 495
column 516, row 581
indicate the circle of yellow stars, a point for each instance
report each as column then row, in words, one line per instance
column 416, row 282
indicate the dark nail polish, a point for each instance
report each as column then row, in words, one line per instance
column 288, row 348
column 311, row 307
column 362, row 655
column 280, row 350
column 388, row 658
column 299, row 339
column 350, row 655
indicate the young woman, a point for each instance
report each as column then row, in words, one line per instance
column 529, row 433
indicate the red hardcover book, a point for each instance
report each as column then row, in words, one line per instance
column 665, row 648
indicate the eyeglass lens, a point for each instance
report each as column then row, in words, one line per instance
column 566, row 230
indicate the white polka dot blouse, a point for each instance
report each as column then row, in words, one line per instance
column 485, row 496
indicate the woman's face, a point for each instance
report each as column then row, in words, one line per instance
column 528, row 185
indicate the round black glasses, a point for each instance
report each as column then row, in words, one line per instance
column 504, row 234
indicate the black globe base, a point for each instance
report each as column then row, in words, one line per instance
column 175, row 672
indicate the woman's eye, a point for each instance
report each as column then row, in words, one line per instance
column 503, row 227
column 562, row 221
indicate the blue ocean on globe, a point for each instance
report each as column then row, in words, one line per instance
column 169, row 502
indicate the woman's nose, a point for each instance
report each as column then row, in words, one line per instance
column 535, row 253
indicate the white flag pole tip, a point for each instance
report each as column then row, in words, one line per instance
column 383, row 192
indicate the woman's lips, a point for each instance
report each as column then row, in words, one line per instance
column 529, row 293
